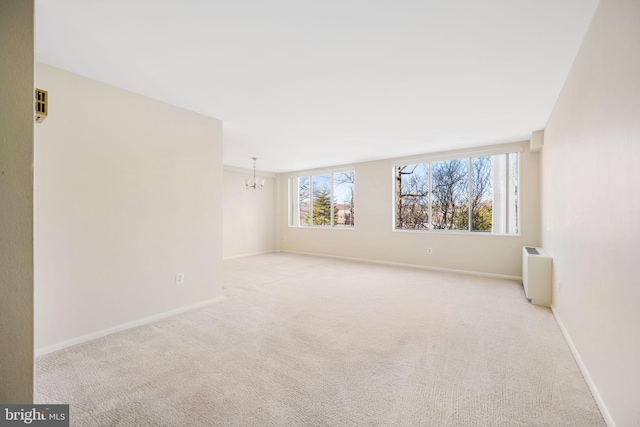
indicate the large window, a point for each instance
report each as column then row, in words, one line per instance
column 444, row 195
column 323, row 200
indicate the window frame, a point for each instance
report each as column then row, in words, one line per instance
column 467, row 155
column 293, row 208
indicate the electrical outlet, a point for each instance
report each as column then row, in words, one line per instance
column 429, row 251
column 179, row 278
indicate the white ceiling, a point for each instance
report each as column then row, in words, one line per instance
column 303, row 84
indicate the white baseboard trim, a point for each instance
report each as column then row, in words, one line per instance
column 108, row 331
column 585, row 372
column 422, row 267
column 249, row 254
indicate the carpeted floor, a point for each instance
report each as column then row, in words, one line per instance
column 309, row 341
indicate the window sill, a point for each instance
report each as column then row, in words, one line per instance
column 456, row 233
column 321, row 227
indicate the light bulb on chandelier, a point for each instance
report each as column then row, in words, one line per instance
column 255, row 183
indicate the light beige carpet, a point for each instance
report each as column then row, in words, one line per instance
column 306, row 341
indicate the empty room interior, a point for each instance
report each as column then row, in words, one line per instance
column 318, row 213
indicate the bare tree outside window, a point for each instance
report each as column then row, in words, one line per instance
column 343, row 190
column 481, row 194
column 450, row 189
column 304, row 200
column 412, row 196
column 444, row 195
column 323, row 200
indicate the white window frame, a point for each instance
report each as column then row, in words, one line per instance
column 294, row 201
column 462, row 155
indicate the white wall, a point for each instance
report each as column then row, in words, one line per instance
column 16, row 200
column 127, row 194
column 249, row 216
column 373, row 237
column 591, row 206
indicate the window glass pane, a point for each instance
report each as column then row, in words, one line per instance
column 321, row 201
column 481, row 194
column 343, row 188
column 513, row 193
column 450, row 194
column 412, row 196
column 477, row 194
column 499, row 186
column 304, row 200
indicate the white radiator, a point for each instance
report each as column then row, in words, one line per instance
column 536, row 275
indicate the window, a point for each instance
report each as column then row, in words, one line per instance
column 473, row 194
column 323, row 200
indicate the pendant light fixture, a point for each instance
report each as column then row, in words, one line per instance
column 255, row 183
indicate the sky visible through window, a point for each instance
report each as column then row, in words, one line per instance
column 326, row 200
column 477, row 194
column 342, row 191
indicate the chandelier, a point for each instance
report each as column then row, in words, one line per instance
column 255, row 183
